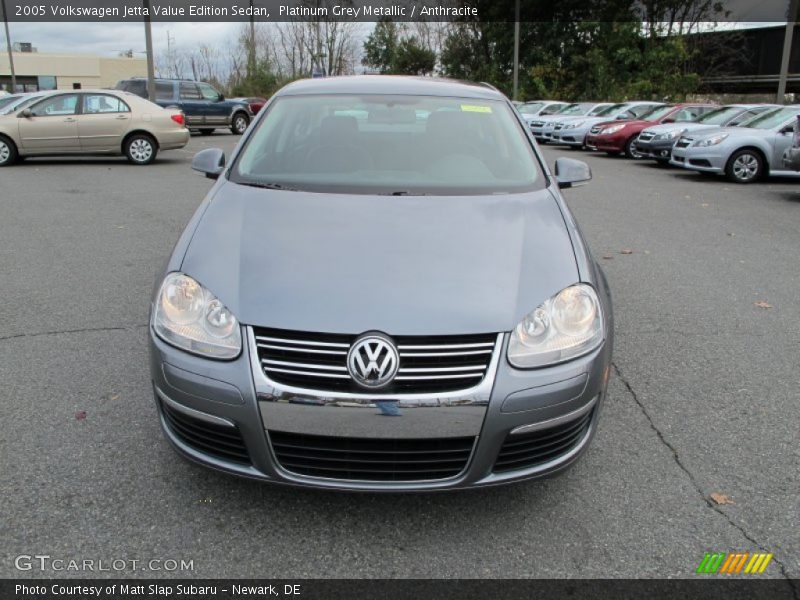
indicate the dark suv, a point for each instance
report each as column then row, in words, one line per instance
column 205, row 108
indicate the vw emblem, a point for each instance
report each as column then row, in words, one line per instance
column 373, row 361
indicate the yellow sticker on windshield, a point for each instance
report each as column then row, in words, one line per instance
column 476, row 108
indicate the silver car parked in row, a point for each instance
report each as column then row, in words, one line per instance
column 542, row 127
column 384, row 290
column 744, row 154
column 657, row 141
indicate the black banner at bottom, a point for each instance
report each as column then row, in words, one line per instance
column 399, row 589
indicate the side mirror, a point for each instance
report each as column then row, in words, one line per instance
column 210, row 161
column 221, row 97
column 25, row 114
column 571, row 172
column 787, row 129
column 668, row 120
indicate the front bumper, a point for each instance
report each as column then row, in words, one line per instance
column 656, row 149
column 570, row 137
column 698, row 159
column 236, row 403
column 607, row 143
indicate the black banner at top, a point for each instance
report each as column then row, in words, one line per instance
column 397, row 10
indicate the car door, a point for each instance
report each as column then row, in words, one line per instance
column 192, row 103
column 781, row 142
column 102, row 122
column 217, row 112
column 52, row 126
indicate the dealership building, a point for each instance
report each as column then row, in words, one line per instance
column 43, row 71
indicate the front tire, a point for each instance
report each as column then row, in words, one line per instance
column 630, row 149
column 745, row 166
column 239, row 123
column 8, row 152
column 141, row 149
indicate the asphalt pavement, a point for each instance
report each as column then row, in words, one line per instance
column 704, row 400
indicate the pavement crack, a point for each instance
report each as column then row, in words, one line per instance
column 698, row 488
column 68, row 331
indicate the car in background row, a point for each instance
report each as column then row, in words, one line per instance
column 616, row 138
column 205, row 108
column 744, row 154
column 656, row 142
column 539, row 108
column 256, row 103
column 542, row 127
column 573, row 132
column 91, row 122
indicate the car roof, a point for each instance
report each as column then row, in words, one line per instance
column 391, row 84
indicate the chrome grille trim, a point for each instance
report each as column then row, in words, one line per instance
column 263, row 338
column 468, row 380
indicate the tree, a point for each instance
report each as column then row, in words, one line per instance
column 390, row 49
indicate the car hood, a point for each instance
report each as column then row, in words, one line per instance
column 732, row 132
column 687, row 127
column 405, row 265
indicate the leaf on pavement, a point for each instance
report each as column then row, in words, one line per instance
column 762, row 304
column 608, row 257
column 80, row 415
column 718, row 498
column 626, row 251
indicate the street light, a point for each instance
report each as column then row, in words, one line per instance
column 791, row 21
column 8, row 44
column 148, row 42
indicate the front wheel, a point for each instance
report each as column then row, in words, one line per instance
column 239, row 123
column 745, row 166
column 630, row 149
column 141, row 149
column 8, row 152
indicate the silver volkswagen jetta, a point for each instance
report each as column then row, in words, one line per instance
column 384, row 290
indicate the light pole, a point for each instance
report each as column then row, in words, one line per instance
column 791, row 20
column 516, row 50
column 10, row 53
column 148, row 42
column 251, row 56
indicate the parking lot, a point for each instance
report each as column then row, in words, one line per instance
column 704, row 399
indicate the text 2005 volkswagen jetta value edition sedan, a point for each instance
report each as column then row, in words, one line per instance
column 384, row 290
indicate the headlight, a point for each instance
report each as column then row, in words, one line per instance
column 711, row 141
column 537, row 123
column 573, row 125
column 669, row 135
column 566, row 326
column 190, row 317
column 612, row 129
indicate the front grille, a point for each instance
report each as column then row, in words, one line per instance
column 217, row 440
column 428, row 364
column 538, row 447
column 371, row 459
column 646, row 136
column 537, row 123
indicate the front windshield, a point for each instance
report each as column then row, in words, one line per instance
column 19, row 103
column 530, row 108
column 574, row 110
column 7, row 100
column 381, row 144
column 772, row 119
column 719, row 116
column 610, row 110
column 598, row 110
column 656, row 113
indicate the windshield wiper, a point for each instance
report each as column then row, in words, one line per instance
column 270, row 186
column 403, row 193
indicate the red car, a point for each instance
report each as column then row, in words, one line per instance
column 256, row 104
column 615, row 137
